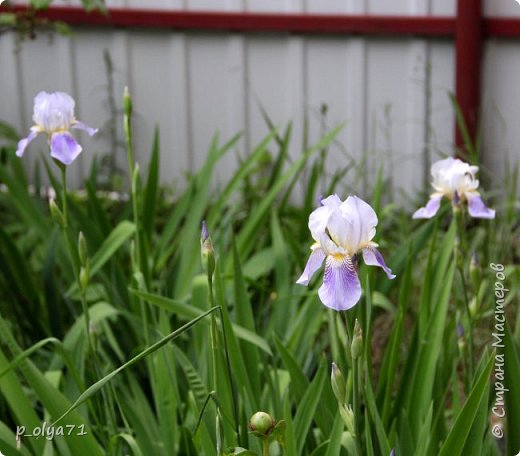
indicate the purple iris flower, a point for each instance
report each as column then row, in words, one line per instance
column 455, row 180
column 341, row 229
column 54, row 115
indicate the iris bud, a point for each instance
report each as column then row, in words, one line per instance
column 348, row 417
column 82, row 249
column 262, row 424
column 357, row 342
column 207, row 253
column 84, row 278
column 127, row 102
column 338, row 384
column 56, row 214
column 474, row 272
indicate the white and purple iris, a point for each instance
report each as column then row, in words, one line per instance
column 341, row 229
column 54, row 115
column 455, row 180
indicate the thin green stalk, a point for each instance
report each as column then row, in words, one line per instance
column 127, row 127
column 108, row 400
column 356, row 381
column 355, row 370
column 265, row 446
column 214, row 356
column 63, row 170
column 470, row 328
column 213, row 336
column 460, row 254
column 107, row 404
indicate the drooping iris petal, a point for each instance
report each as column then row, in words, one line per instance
column 431, row 208
column 373, row 257
column 81, row 126
column 341, row 289
column 23, row 143
column 313, row 264
column 64, row 148
column 477, row 208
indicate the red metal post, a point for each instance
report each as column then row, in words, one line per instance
column 468, row 56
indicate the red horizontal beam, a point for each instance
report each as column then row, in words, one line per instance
column 254, row 22
column 262, row 22
column 501, row 28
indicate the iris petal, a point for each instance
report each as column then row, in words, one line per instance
column 361, row 223
column 373, row 257
column 64, row 148
column 313, row 264
column 318, row 222
column 81, row 126
column 53, row 111
column 341, row 289
column 23, row 143
column 431, row 208
column 477, row 208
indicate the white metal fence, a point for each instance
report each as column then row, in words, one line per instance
column 392, row 94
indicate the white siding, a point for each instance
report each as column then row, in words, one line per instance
column 391, row 93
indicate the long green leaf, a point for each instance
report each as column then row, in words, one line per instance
column 100, row 383
column 307, row 407
column 184, row 311
column 512, row 394
column 456, row 439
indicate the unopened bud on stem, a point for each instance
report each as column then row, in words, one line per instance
column 357, row 342
column 207, row 253
column 338, row 384
column 262, row 424
column 56, row 214
column 82, row 249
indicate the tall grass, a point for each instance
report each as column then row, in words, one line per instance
column 179, row 360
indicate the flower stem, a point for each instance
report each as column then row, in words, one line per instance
column 356, row 381
column 107, row 402
column 63, row 169
column 460, row 254
column 265, row 446
column 470, row 327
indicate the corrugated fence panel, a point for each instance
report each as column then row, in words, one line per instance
column 391, row 94
column 500, row 96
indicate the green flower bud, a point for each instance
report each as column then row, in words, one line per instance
column 56, row 214
column 207, row 254
column 82, row 249
column 348, row 417
column 338, row 384
column 357, row 342
column 261, row 424
column 84, row 278
column 473, row 307
column 127, row 102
